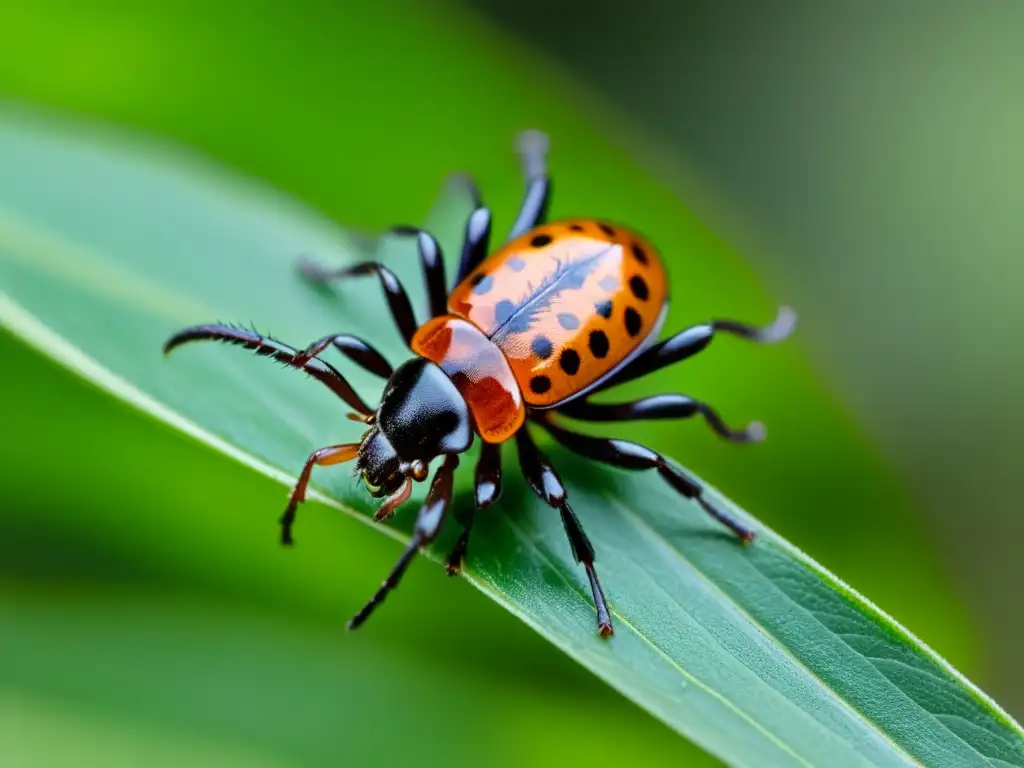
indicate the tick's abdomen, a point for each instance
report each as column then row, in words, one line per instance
column 565, row 303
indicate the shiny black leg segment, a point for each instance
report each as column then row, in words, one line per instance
column 279, row 351
column 398, row 299
column 469, row 187
column 433, row 268
column 361, row 352
column 428, row 523
column 488, row 491
column 662, row 407
column 627, row 455
column 533, row 149
column 475, row 243
column 690, row 341
column 547, row 485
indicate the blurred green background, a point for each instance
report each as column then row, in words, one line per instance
column 864, row 158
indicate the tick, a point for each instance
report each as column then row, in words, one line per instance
column 528, row 335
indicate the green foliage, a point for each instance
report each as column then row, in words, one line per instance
column 760, row 655
column 361, row 109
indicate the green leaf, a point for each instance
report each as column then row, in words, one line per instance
column 759, row 655
column 287, row 123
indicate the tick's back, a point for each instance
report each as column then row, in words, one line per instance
column 566, row 302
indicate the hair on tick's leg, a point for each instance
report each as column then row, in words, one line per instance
column 265, row 346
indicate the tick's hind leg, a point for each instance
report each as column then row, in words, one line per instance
column 663, row 407
column 488, row 489
column 335, row 454
column 628, row 455
column 690, row 341
column 546, row 484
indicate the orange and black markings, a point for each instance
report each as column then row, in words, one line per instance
column 566, row 303
column 560, row 312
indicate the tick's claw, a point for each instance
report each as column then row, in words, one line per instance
column 286, row 529
column 604, row 629
column 756, row 432
column 453, row 567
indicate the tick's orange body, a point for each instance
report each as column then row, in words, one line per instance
column 562, row 311
column 544, row 319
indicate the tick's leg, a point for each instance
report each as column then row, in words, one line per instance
column 488, row 489
column 545, row 483
column 362, row 353
column 432, row 261
column 690, row 341
column 267, row 347
column 428, row 523
column 475, row 242
column 398, row 299
column 477, row 237
column 627, row 455
column 533, row 149
column 335, row 454
column 662, row 407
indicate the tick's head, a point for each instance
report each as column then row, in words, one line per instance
column 421, row 416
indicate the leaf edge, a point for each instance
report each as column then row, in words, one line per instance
column 34, row 333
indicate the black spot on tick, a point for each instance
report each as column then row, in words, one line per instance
column 638, row 287
column 568, row 320
column 639, row 253
column 539, row 241
column 633, row 321
column 607, row 230
column 540, row 384
column 503, row 311
column 598, row 344
column 516, row 265
column 604, row 308
column 609, row 283
column 570, row 361
column 576, row 227
column 482, row 284
column 541, row 347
